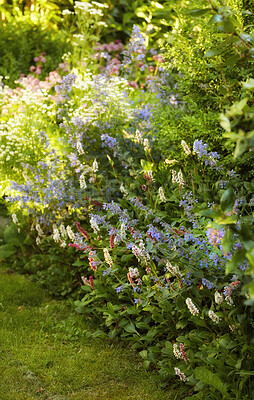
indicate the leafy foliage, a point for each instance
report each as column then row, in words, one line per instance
column 141, row 204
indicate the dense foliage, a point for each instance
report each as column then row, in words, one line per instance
column 129, row 171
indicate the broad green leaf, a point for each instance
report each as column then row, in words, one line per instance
column 229, row 25
column 79, row 263
column 242, row 145
column 231, row 60
column 205, row 375
column 212, row 53
column 227, row 240
column 249, row 84
column 6, row 251
column 112, row 334
column 250, row 256
column 12, row 236
column 198, row 12
column 143, row 354
column 227, row 199
column 237, row 259
column 237, row 107
column 225, row 123
column 130, row 328
column 215, row 19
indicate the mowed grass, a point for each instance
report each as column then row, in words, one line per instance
column 45, row 354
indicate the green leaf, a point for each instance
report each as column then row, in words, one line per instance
column 225, row 123
column 112, row 334
column 130, row 328
column 250, row 256
column 227, row 240
column 12, row 236
column 212, row 53
column 229, row 25
column 237, row 107
column 217, row 18
column 227, row 199
column 242, row 145
column 231, row 219
column 79, row 263
column 110, row 309
column 232, row 60
column 198, row 12
column 143, row 354
column 237, row 259
column 6, row 251
column 211, row 379
column 249, row 84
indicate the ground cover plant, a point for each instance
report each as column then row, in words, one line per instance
column 137, row 188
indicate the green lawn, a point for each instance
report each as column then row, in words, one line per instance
column 45, row 353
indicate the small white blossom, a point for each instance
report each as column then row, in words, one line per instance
column 39, row 230
column 70, row 233
column 192, row 308
column 15, row 219
column 63, row 231
column 134, row 273
column 162, row 195
column 180, row 374
column 94, row 225
column 150, row 175
column 232, row 328
column 123, row 190
column 67, row 12
column 56, row 235
column 80, row 148
column 180, row 180
column 95, row 167
column 82, row 181
column 218, row 297
column 122, row 230
column 146, row 145
column 38, row 241
column 173, row 270
column 174, row 176
column 185, row 148
column 107, row 257
column 138, row 136
column 229, row 300
column 176, row 352
column 99, row 5
column 214, row 317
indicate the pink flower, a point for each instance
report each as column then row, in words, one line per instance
column 133, row 84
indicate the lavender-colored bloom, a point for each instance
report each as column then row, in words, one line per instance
column 136, row 46
column 214, row 236
column 200, row 148
column 154, row 234
column 119, row 289
column 106, row 271
column 207, row 283
column 108, row 141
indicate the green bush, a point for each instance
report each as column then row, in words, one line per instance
column 21, row 41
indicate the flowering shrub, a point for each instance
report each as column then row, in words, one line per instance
column 143, row 237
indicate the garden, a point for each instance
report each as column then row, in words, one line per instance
column 127, row 188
